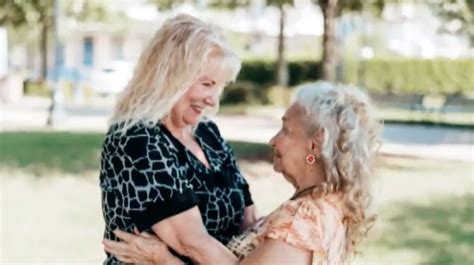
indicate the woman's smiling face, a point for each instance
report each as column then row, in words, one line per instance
column 203, row 93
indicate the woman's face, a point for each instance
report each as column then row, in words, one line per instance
column 291, row 145
column 203, row 93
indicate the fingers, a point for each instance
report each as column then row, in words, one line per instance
column 127, row 237
column 135, row 230
column 120, row 250
column 125, row 259
column 114, row 247
column 147, row 235
column 144, row 234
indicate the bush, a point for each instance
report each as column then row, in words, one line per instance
column 262, row 73
column 36, row 88
column 412, row 76
column 239, row 92
column 401, row 77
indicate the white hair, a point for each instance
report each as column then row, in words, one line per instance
column 345, row 114
column 168, row 66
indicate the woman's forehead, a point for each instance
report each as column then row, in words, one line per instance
column 294, row 111
column 213, row 72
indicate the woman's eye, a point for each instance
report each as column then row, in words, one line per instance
column 207, row 84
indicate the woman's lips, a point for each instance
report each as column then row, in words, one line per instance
column 196, row 109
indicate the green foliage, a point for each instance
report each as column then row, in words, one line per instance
column 456, row 10
column 263, row 72
column 18, row 13
column 412, row 76
column 37, row 89
column 401, row 76
column 12, row 13
column 239, row 92
column 258, row 72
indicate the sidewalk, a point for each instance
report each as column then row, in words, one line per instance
column 404, row 140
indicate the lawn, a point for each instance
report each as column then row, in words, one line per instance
column 51, row 202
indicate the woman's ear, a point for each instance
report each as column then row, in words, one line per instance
column 317, row 141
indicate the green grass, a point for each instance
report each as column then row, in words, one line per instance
column 43, row 152
column 40, row 153
column 440, row 232
column 422, row 219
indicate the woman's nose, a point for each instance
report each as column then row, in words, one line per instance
column 211, row 100
column 272, row 141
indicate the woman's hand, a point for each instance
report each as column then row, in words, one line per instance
column 139, row 248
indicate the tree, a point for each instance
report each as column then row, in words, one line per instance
column 281, row 66
column 331, row 10
column 12, row 13
column 461, row 11
column 282, row 75
column 37, row 15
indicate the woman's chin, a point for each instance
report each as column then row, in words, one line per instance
column 192, row 120
column 276, row 167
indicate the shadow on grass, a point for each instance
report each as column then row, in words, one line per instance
column 42, row 153
column 442, row 232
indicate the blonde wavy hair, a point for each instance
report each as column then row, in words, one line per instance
column 346, row 116
column 168, row 66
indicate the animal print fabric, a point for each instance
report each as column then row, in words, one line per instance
column 147, row 175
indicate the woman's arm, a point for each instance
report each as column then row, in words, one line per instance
column 185, row 233
column 149, row 249
column 140, row 248
column 250, row 217
column 273, row 251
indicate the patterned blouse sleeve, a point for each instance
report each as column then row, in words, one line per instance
column 153, row 185
column 300, row 227
column 231, row 165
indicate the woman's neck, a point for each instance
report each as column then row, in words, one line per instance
column 311, row 178
column 180, row 132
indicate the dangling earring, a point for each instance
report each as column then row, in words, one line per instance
column 310, row 159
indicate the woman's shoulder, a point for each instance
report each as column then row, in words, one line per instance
column 209, row 132
column 122, row 130
column 324, row 208
column 296, row 222
column 304, row 222
column 310, row 210
column 208, row 126
column 139, row 136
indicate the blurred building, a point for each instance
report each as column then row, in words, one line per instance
column 409, row 30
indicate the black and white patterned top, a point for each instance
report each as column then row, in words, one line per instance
column 147, row 175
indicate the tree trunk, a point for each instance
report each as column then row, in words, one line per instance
column 44, row 51
column 282, row 67
column 329, row 8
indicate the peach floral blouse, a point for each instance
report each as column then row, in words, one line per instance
column 309, row 223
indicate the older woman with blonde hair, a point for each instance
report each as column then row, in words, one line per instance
column 325, row 149
column 164, row 167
